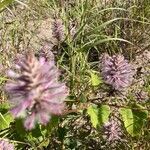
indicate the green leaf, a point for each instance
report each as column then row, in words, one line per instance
column 103, row 114
column 5, row 120
column 93, row 113
column 95, row 30
column 98, row 116
column 134, row 119
column 100, row 41
column 127, row 117
column 103, row 25
column 9, row 117
column 140, row 111
column 95, row 79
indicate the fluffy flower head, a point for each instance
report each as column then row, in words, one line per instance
column 35, row 91
column 116, row 71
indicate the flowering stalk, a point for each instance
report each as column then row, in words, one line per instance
column 35, row 91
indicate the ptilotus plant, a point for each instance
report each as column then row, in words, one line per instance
column 112, row 131
column 116, row 71
column 58, row 29
column 35, row 92
column 5, row 145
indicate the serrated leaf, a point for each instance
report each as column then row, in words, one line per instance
column 134, row 119
column 98, row 116
column 95, row 79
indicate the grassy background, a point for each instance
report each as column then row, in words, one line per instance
column 112, row 26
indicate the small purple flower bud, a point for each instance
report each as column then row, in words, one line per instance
column 5, row 145
column 36, row 92
column 116, row 71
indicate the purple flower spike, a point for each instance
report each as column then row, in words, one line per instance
column 58, row 29
column 36, row 92
column 112, row 131
column 116, row 71
column 5, row 145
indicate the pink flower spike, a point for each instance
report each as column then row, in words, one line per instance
column 116, row 71
column 37, row 92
